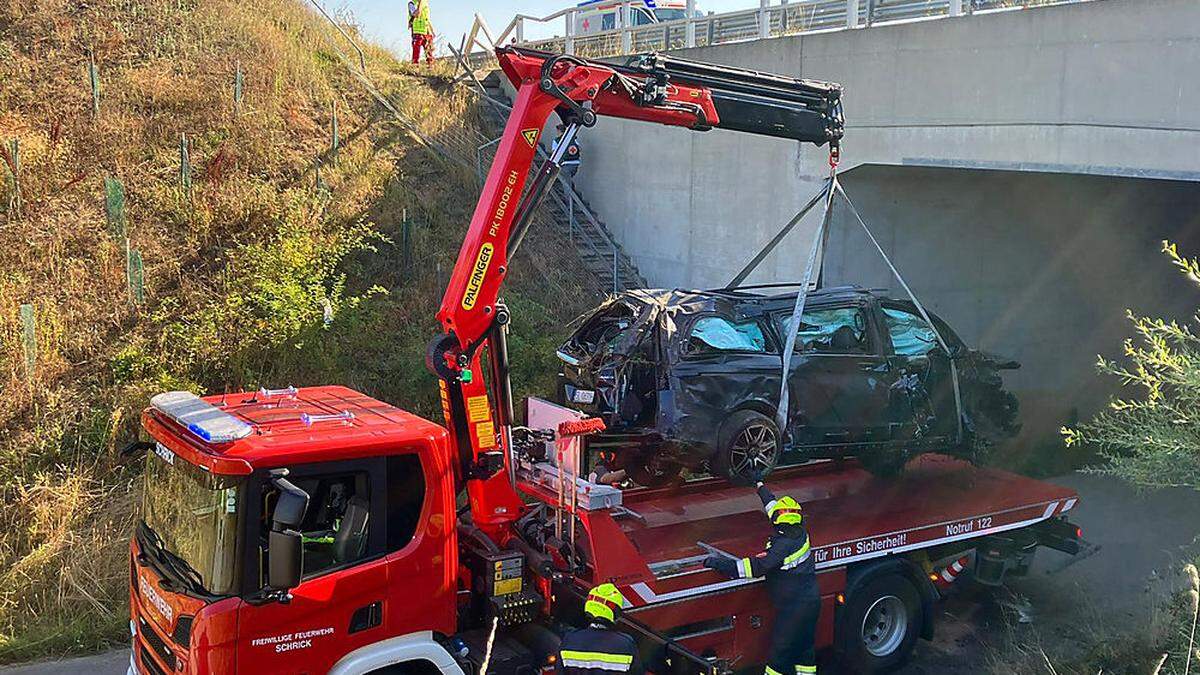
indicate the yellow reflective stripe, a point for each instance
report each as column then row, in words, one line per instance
column 599, row 660
column 597, row 656
column 797, row 557
column 772, row 671
column 806, row 669
column 744, row 569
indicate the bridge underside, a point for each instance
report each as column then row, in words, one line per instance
column 1037, row 266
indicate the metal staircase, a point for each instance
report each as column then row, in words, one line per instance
column 564, row 207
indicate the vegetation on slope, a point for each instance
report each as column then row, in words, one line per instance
column 266, row 271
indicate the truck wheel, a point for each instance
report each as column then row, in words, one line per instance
column 879, row 625
column 748, row 447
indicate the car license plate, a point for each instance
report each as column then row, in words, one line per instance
column 583, row 396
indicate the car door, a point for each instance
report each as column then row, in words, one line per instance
column 723, row 365
column 839, row 384
column 927, row 392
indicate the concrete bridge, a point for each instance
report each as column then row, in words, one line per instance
column 1021, row 169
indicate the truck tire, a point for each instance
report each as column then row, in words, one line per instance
column 879, row 625
column 748, row 448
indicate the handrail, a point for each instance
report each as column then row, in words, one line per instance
column 565, row 186
column 791, row 17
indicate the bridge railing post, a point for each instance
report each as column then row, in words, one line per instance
column 569, row 43
column 625, row 16
column 852, row 13
column 519, row 31
column 764, row 19
column 956, row 7
column 689, row 30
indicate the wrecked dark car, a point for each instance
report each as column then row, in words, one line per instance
column 691, row 380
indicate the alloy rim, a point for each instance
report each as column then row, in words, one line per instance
column 754, row 449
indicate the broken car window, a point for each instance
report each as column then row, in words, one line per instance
column 911, row 336
column 718, row 334
column 839, row 330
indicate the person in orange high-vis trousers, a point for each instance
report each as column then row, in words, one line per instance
column 422, row 30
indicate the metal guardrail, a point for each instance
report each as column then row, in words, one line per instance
column 766, row 21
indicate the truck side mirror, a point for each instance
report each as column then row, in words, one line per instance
column 291, row 505
column 287, row 560
column 286, row 544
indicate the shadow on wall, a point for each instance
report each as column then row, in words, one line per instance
column 1039, row 267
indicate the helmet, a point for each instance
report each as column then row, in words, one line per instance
column 604, row 602
column 784, row 511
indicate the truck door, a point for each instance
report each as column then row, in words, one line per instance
column 839, row 385
column 360, row 533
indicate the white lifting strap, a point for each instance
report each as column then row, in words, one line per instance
column 798, row 310
column 916, row 303
column 832, row 187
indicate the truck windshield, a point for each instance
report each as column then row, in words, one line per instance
column 192, row 516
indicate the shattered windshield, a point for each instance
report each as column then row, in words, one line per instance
column 602, row 333
column 195, row 516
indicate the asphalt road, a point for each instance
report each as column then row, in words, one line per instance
column 1142, row 538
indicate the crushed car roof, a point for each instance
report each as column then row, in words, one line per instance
column 735, row 300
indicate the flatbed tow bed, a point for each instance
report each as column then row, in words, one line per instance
column 869, row 535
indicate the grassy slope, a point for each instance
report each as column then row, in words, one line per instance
column 238, row 273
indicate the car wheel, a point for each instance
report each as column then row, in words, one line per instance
column 884, row 463
column 748, row 447
column 653, row 470
column 879, row 625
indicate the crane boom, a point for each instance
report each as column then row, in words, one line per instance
column 651, row 88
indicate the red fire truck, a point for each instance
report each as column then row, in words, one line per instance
column 319, row 530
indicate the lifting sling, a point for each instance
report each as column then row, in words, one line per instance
column 831, row 187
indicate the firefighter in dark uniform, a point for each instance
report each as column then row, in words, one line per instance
column 599, row 648
column 787, row 564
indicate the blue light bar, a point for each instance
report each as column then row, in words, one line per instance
column 200, row 417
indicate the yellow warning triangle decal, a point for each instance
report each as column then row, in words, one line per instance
column 530, row 136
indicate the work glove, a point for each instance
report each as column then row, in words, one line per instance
column 713, row 562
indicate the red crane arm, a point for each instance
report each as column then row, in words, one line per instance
column 469, row 303
column 650, row 88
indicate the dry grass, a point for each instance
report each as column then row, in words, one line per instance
column 1096, row 641
column 237, row 272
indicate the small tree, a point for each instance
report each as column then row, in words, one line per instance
column 1152, row 440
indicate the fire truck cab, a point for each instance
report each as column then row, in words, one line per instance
column 283, row 530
